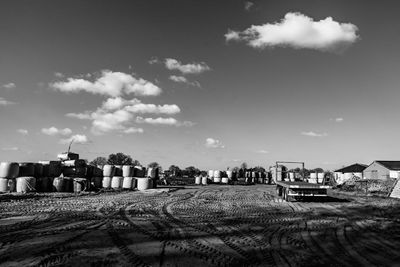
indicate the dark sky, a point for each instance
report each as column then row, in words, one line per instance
column 257, row 105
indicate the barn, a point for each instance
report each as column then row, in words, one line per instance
column 344, row 174
column 383, row 169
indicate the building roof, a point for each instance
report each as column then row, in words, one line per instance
column 393, row 165
column 354, row 168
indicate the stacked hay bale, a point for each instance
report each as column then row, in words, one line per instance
column 117, row 179
column 129, row 181
column 152, row 173
column 8, row 172
column 217, row 176
column 26, row 182
column 108, row 173
column 143, row 182
column 75, row 175
column 97, row 177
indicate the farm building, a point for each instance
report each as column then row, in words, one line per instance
column 383, row 169
column 344, row 174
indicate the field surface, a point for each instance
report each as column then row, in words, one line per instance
column 197, row 226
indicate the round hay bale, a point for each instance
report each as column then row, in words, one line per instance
column 204, row 181
column 26, row 169
column 138, row 171
column 197, row 180
column 152, row 173
column 106, row 183
column 217, row 174
column 97, row 172
column 224, row 180
column 74, row 163
column 127, row 171
column 80, row 184
column 26, row 184
column 143, row 183
column 51, row 168
column 116, row 182
column 7, row 185
column 217, row 180
column 108, row 170
column 44, row 184
column 59, row 184
column 74, row 172
column 96, row 182
column 118, row 170
column 38, row 170
column 229, row 174
column 9, row 170
column 127, row 182
column 211, row 173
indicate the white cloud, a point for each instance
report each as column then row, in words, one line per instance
column 181, row 79
column 157, row 121
column 104, row 121
column 10, row 148
column 109, row 83
column 54, row 131
column 59, row 75
column 299, row 31
column 23, row 131
column 339, row 119
column 4, row 102
column 178, row 79
column 213, row 143
column 248, row 5
column 154, row 60
column 77, row 139
column 190, row 68
column 262, row 151
column 9, row 85
column 81, row 116
column 133, row 130
column 314, row 134
column 155, row 109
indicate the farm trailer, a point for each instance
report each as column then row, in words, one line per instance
column 288, row 190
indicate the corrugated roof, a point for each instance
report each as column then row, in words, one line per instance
column 393, row 165
column 353, row 168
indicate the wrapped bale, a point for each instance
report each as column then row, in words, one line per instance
column 7, row 185
column 74, row 163
column 128, row 183
column 80, row 184
column 74, row 172
column 26, row 169
column 51, row 168
column 118, row 170
column 9, row 170
column 108, row 170
column 25, row 184
column 106, row 183
column 127, row 171
column 116, row 182
column 96, row 182
column 38, row 170
column 44, row 184
column 67, row 156
column 144, row 183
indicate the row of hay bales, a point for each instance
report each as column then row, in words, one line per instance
column 72, row 176
column 226, row 177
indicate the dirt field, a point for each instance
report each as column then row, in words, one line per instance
column 197, row 226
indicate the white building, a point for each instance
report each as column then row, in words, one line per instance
column 383, row 169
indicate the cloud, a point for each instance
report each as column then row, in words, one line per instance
column 133, row 130
column 77, row 139
column 190, row 68
column 10, row 148
column 213, row 143
column 182, row 79
column 248, row 5
column 59, row 75
column 4, row 102
column 154, row 109
column 54, row 131
column 299, row 31
column 262, row 151
column 157, row 121
column 314, row 134
column 9, row 85
column 23, row 131
column 110, row 84
column 81, row 116
column 154, row 60
column 104, row 121
column 339, row 119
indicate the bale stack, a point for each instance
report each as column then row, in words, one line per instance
column 129, row 181
column 143, row 182
column 108, row 173
column 26, row 182
column 152, row 173
column 8, row 172
column 97, row 177
column 75, row 172
column 217, row 176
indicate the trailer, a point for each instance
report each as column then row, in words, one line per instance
column 289, row 190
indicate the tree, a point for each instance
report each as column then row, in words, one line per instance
column 175, row 171
column 136, row 163
column 235, row 169
column 243, row 166
column 119, row 159
column 192, row 171
column 99, row 161
column 259, row 169
column 153, row 165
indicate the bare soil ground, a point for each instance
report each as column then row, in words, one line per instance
column 197, row 226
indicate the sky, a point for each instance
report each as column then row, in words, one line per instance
column 209, row 84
